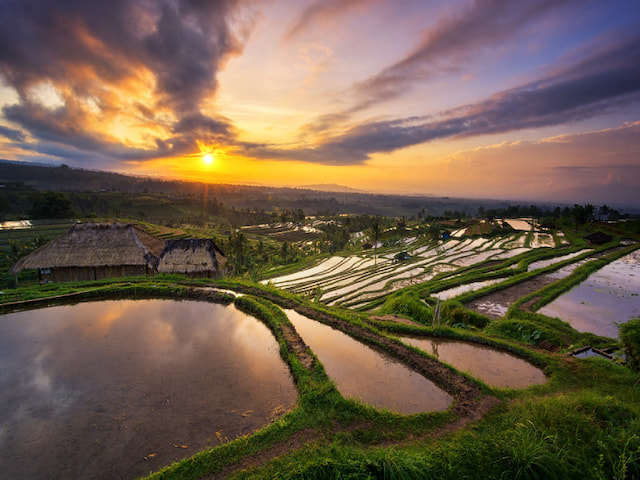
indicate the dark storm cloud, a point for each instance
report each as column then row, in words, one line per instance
column 60, row 133
column 481, row 24
column 11, row 134
column 57, row 126
column 604, row 82
column 193, row 128
column 91, row 49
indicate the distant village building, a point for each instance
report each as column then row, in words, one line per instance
column 194, row 257
column 95, row 251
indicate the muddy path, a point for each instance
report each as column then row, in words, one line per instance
column 307, row 437
column 464, row 391
column 497, row 303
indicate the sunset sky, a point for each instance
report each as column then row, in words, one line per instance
column 524, row 100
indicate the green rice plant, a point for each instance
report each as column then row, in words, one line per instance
column 408, row 304
column 531, row 453
column 627, row 459
column 454, row 313
column 524, row 331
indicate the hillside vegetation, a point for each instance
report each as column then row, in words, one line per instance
column 376, row 277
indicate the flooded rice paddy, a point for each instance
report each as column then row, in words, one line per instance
column 552, row 261
column 495, row 368
column 610, row 295
column 358, row 279
column 116, row 389
column 365, row 374
column 464, row 288
column 495, row 305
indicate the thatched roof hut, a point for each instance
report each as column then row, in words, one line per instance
column 94, row 251
column 195, row 257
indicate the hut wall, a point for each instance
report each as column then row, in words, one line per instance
column 72, row 274
column 115, row 271
column 84, row 274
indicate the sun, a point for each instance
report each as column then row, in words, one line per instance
column 207, row 159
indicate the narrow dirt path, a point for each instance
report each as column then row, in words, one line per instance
column 495, row 304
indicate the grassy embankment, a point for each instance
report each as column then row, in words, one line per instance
column 582, row 423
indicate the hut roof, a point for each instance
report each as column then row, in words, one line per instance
column 96, row 245
column 190, row 255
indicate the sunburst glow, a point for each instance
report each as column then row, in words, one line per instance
column 296, row 93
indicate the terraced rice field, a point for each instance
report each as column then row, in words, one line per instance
column 284, row 232
column 356, row 280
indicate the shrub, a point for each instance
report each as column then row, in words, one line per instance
column 409, row 305
column 524, row 331
column 455, row 314
column 630, row 339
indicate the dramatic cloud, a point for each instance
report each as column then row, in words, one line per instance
column 282, row 91
column 12, row 134
column 153, row 62
column 604, row 82
column 453, row 40
column 323, row 11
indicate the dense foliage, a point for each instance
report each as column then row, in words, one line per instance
column 630, row 340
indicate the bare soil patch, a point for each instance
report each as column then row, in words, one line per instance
column 395, row 319
column 509, row 295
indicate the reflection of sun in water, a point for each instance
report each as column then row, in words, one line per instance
column 207, row 159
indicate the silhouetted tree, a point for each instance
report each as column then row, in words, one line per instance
column 51, row 205
column 374, row 234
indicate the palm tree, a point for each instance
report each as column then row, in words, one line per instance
column 238, row 243
column 374, row 234
column 434, row 231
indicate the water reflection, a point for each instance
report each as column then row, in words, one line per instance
column 467, row 287
column 608, row 296
column 495, row 368
column 360, row 372
column 116, row 389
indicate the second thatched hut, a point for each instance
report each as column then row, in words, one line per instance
column 193, row 257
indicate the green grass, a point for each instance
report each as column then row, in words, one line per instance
column 584, row 434
column 583, row 423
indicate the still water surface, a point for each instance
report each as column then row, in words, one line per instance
column 609, row 296
column 117, row 389
column 363, row 373
column 495, row 368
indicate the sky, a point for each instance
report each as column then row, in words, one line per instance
column 528, row 100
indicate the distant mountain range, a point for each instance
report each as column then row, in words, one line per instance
column 331, row 187
column 313, row 199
